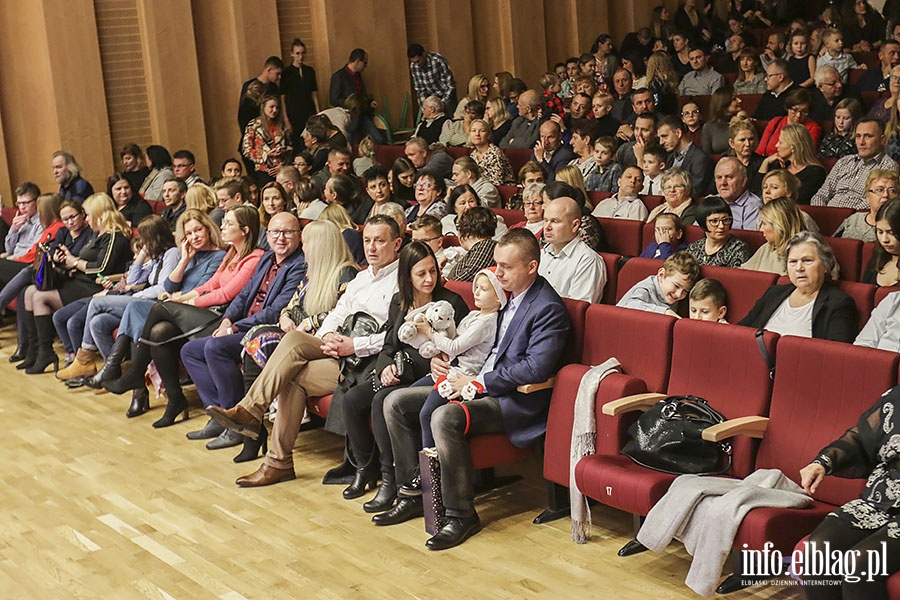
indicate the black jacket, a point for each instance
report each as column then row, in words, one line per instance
column 835, row 316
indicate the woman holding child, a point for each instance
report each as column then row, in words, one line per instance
column 398, row 365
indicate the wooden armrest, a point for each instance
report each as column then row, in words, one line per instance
column 754, row 427
column 530, row 388
column 631, row 403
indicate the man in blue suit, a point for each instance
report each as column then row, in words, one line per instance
column 212, row 361
column 531, row 334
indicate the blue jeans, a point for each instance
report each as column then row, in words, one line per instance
column 69, row 323
column 103, row 316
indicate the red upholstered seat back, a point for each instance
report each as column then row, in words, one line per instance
column 623, row 236
column 847, row 252
column 633, row 271
column 753, row 237
column 743, row 287
column 723, row 364
column 864, row 296
column 828, row 218
column 506, row 192
column 577, row 314
column 385, row 155
column 868, row 249
column 517, row 157
column 510, row 217
column 641, row 341
column 611, row 261
column 464, row 289
column 821, row 389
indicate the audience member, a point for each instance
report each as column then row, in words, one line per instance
column 703, row 80
column 549, row 151
column 133, row 167
column 882, row 186
column 668, row 237
column 299, row 92
column 684, row 154
column 67, row 173
column 884, row 267
column 675, row 184
column 467, row 171
column 625, row 203
column 436, row 162
column 779, row 220
column 572, row 268
column 778, row 82
column 431, row 75
column 348, row 79
column 662, row 292
column 718, row 247
column 433, row 119
column 839, row 142
column 654, row 165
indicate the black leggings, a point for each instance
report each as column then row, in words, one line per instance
column 362, row 402
column 160, row 330
column 841, row 535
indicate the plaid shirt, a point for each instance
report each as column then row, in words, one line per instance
column 435, row 78
column 845, row 184
column 480, row 256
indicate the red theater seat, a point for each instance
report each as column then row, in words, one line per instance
column 847, row 252
column 744, row 288
column 633, row 271
column 517, row 157
column 623, row 236
column 828, row 218
column 510, row 217
column 611, row 261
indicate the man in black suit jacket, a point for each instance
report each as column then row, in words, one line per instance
column 682, row 153
column 778, row 83
column 550, row 152
column 348, row 79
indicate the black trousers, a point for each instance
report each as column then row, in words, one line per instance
column 841, row 535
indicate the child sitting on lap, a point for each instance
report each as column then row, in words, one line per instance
column 470, row 348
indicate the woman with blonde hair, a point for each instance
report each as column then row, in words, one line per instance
column 742, row 140
column 781, row 183
column 794, row 152
column 571, row 174
column 780, row 220
column 338, row 215
column 171, row 324
column 493, row 163
column 479, row 90
column 662, row 80
column 201, row 197
column 330, row 267
column 108, row 253
column 498, row 118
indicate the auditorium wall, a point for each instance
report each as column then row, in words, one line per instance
column 89, row 76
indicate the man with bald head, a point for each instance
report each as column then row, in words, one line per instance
column 572, row 268
column 525, row 129
column 211, row 360
column 731, row 186
column 550, row 152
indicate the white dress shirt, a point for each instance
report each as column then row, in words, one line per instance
column 370, row 293
column 621, row 208
column 577, row 272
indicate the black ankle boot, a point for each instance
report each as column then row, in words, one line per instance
column 386, row 495
column 133, row 378
column 340, row 475
column 365, row 477
column 21, row 351
column 45, row 354
column 140, row 403
column 251, row 448
column 177, row 404
column 31, row 345
column 112, row 367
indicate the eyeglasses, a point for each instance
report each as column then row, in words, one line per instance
column 424, row 186
column 883, row 191
column 798, row 111
column 70, row 217
column 827, row 84
column 24, row 203
column 429, row 239
column 727, row 221
column 281, row 233
column 774, row 75
column 690, row 113
column 674, row 187
column 533, row 203
column 895, row 78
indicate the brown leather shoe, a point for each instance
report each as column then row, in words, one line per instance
column 266, row 475
column 236, row 419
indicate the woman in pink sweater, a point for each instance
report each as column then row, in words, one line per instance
column 181, row 317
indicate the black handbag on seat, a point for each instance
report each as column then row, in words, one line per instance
column 667, row 438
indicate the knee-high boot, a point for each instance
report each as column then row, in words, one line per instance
column 133, row 379
column 112, row 367
column 45, row 354
column 31, row 345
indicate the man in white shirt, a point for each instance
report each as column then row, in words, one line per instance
column 572, row 268
column 307, row 365
column 625, row 204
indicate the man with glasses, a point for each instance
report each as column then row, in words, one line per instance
column 307, row 365
column 845, row 184
column 26, row 226
column 778, row 82
column 703, row 80
column 828, row 92
column 211, row 361
column 183, row 165
column 731, row 186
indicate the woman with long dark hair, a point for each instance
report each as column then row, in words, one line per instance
column 419, row 283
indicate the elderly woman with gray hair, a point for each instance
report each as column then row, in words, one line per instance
column 810, row 305
column 676, row 186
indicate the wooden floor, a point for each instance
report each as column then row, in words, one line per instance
column 94, row 505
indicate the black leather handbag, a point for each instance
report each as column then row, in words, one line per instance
column 355, row 369
column 667, row 438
